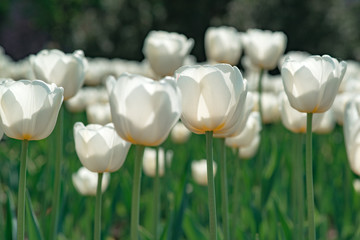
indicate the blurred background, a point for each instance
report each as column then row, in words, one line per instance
column 117, row 28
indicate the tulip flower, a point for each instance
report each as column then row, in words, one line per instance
column 294, row 120
column 352, row 74
column 179, row 133
column 199, row 171
column 166, row 51
column 249, row 151
column 223, row 45
column 264, row 47
column 99, row 148
column 269, row 108
column 296, row 55
column 65, row 70
column 85, row 181
column 311, row 86
column 352, row 133
column 326, row 122
column 245, row 137
column 28, row 111
column 213, row 97
column 213, row 104
column 149, row 161
column 87, row 96
column 98, row 113
column 143, row 111
column 339, row 104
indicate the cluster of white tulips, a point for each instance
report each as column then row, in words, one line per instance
column 141, row 104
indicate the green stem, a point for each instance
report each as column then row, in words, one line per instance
column 211, row 186
column 156, row 195
column 97, row 226
column 309, row 178
column 300, row 186
column 57, row 183
column 21, row 192
column 135, row 200
column 261, row 74
column 224, row 190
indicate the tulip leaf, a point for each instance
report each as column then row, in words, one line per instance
column 11, row 222
column 180, row 202
column 34, row 232
column 284, row 229
column 192, row 228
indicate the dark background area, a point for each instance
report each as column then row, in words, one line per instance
column 117, row 28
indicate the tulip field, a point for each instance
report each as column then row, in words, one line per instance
column 174, row 149
column 183, row 202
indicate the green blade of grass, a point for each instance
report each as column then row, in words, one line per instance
column 34, row 231
column 11, row 226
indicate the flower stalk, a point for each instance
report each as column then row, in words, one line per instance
column 309, row 179
column 135, row 200
column 261, row 74
column 156, row 195
column 21, row 191
column 97, row 224
column 211, row 185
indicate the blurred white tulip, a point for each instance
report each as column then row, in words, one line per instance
column 85, row 181
column 199, row 171
column 166, row 51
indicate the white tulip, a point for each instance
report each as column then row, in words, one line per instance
column 166, row 51
column 264, row 47
column 144, row 111
column 223, row 45
column 65, row 70
column 179, row 133
column 199, row 171
column 312, row 84
column 149, row 161
column 99, row 148
column 98, row 113
column 29, row 109
column 213, row 98
column 251, row 129
column 352, row 133
column 85, row 181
